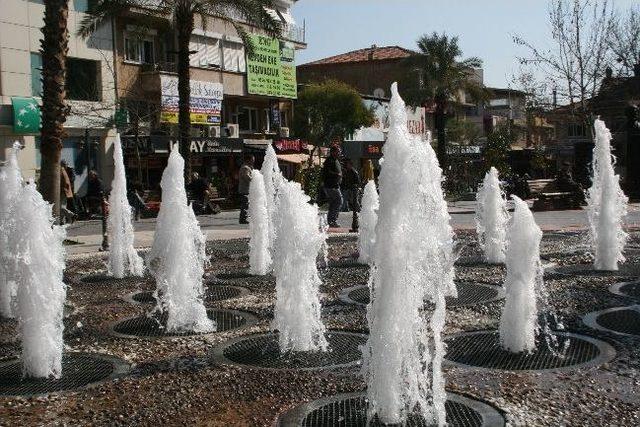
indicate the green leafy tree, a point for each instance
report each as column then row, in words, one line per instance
column 437, row 75
column 463, row 132
column 183, row 14
column 496, row 150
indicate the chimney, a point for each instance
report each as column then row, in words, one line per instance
column 609, row 72
column 372, row 51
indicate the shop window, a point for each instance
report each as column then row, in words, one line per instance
column 36, row 74
column 234, row 58
column 83, row 80
column 248, row 119
column 207, row 52
column 139, row 50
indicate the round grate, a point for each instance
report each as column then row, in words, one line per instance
column 350, row 410
column 619, row 320
column 212, row 294
column 472, row 260
column 469, row 293
column 624, row 270
column 152, row 327
column 627, row 289
column 482, row 349
column 347, row 263
column 262, row 351
column 78, row 370
column 102, row 278
column 236, row 275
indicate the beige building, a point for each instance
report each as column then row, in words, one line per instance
column 90, row 88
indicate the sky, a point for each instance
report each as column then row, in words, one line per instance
column 485, row 28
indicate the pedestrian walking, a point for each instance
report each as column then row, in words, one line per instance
column 331, row 180
column 95, row 194
column 353, row 188
column 244, row 180
column 66, row 195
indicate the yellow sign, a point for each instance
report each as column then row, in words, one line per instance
column 195, row 118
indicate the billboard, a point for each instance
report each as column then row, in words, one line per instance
column 271, row 70
column 205, row 103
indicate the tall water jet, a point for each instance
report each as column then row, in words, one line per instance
column 413, row 264
column 123, row 257
column 491, row 218
column 519, row 320
column 10, row 186
column 272, row 179
column 259, row 256
column 41, row 292
column 606, row 205
column 177, row 257
column 298, row 241
column 368, row 218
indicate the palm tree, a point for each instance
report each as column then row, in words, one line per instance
column 437, row 76
column 54, row 48
column 183, row 14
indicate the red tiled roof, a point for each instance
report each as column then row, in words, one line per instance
column 374, row 53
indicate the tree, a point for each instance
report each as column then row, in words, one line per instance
column 580, row 54
column 437, row 75
column 624, row 40
column 183, row 13
column 462, row 132
column 54, row 48
column 329, row 111
column 496, row 150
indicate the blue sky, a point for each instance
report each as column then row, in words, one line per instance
column 484, row 27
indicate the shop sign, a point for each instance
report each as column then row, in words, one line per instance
column 372, row 150
column 290, row 146
column 27, row 118
column 211, row 145
column 271, row 70
column 205, row 104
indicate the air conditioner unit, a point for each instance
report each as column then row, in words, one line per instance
column 214, row 131
column 284, row 132
column 232, row 131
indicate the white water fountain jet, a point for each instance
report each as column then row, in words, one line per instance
column 524, row 282
column 368, row 217
column 298, row 241
column 178, row 256
column 413, row 264
column 272, row 180
column 259, row 256
column 10, row 186
column 123, row 257
column 607, row 205
column 491, row 218
column 41, row 293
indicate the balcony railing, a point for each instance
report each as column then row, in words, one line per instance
column 294, row 33
column 164, row 67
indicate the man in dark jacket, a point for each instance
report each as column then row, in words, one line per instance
column 244, row 181
column 331, row 179
column 352, row 192
column 95, row 193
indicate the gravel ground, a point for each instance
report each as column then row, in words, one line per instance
column 174, row 381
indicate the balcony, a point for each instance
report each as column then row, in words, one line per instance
column 294, row 33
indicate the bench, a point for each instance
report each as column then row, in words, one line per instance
column 549, row 198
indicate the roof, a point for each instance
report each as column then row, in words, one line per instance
column 373, row 53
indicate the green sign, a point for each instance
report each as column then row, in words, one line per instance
column 121, row 117
column 270, row 69
column 26, row 116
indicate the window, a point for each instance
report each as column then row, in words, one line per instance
column 248, row 119
column 576, row 130
column 36, row 74
column 139, row 50
column 234, row 58
column 83, row 80
column 83, row 5
column 207, row 52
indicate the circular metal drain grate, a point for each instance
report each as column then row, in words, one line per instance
column 350, row 410
column 469, row 293
column 262, row 351
column 78, row 370
column 152, row 327
column 347, row 263
column 619, row 320
column 627, row 289
column 482, row 349
column 237, row 275
column 472, row 260
column 625, row 270
column 212, row 294
column 103, row 278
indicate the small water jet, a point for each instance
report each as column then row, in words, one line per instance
column 519, row 320
column 298, row 241
column 177, row 257
column 10, row 186
column 41, row 293
column 272, row 178
column 491, row 218
column 368, row 218
column 259, row 256
column 606, row 205
column 123, row 257
column 413, row 264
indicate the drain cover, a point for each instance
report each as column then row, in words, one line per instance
column 482, row 349
column 474, row 260
column 103, row 278
column 152, row 327
column 212, row 294
column 469, row 293
column 350, row 410
column 625, row 270
column 78, row 370
column 347, row 263
column 620, row 320
column 262, row 351
column 627, row 289
column 237, row 275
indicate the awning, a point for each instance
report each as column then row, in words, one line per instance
column 27, row 118
column 298, row 159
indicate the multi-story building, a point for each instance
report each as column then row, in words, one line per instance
column 90, row 89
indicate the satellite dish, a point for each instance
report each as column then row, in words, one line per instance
column 378, row 93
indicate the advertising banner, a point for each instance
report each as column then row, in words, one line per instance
column 271, row 70
column 205, row 104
